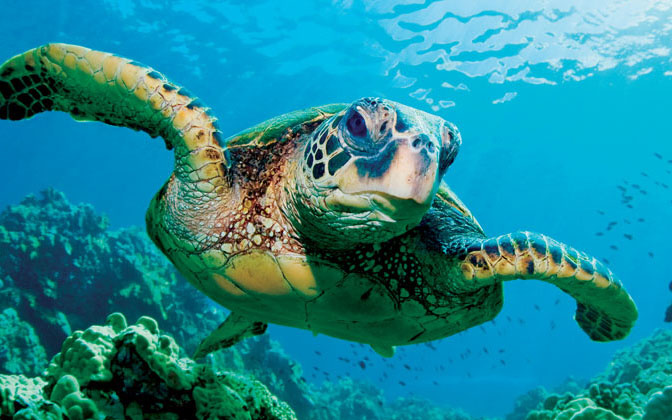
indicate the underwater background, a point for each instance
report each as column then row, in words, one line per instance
column 564, row 110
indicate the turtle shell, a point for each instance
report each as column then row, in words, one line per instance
column 271, row 130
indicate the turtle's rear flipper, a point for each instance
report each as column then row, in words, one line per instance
column 605, row 311
column 235, row 328
column 97, row 86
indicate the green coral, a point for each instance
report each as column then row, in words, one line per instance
column 118, row 370
column 20, row 348
column 635, row 386
column 265, row 359
column 55, row 255
column 659, row 406
column 73, row 402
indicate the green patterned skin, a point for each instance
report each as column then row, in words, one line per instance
column 332, row 219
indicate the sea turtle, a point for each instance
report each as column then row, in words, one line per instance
column 334, row 219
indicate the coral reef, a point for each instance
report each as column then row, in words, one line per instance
column 55, row 255
column 637, row 385
column 350, row 399
column 20, row 349
column 133, row 371
column 267, row 361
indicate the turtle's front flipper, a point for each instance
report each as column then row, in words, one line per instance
column 97, row 86
column 605, row 311
column 235, row 328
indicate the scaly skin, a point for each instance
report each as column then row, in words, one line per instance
column 332, row 219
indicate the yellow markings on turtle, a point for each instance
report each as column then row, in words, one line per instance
column 156, row 101
column 553, row 268
column 141, row 92
column 95, row 59
column 524, row 262
column 226, row 285
column 257, row 271
column 583, row 275
column 505, row 267
column 209, row 171
column 70, row 61
column 56, row 52
column 467, row 270
column 110, row 67
column 84, row 67
column 301, row 275
column 183, row 117
column 129, row 76
column 476, row 265
column 565, row 270
column 601, row 281
column 214, row 258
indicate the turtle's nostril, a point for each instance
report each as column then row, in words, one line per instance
column 423, row 142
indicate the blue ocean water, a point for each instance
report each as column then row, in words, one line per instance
column 559, row 103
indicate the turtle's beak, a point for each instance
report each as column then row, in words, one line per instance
column 404, row 176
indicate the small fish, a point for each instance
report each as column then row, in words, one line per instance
column 600, row 212
column 485, row 350
column 670, row 286
column 318, row 353
column 599, row 234
column 402, row 383
column 627, row 236
column 552, row 325
column 501, row 351
column 606, row 260
column 536, row 307
column 614, row 247
column 362, row 364
column 502, row 361
column 641, row 220
column 668, row 314
column 658, row 155
column 435, row 383
column 650, row 254
column 557, row 302
column 645, row 174
column 407, row 367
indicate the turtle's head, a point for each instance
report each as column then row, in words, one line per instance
column 370, row 172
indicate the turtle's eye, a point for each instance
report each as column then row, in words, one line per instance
column 356, row 125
